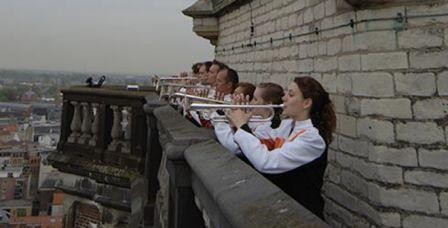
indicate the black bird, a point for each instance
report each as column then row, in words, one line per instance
column 100, row 82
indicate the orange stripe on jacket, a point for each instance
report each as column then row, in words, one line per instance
column 276, row 143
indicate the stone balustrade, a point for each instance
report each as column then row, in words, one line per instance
column 139, row 162
column 104, row 153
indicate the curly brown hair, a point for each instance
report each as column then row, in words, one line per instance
column 322, row 112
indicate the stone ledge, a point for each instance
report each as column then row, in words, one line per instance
column 177, row 132
column 100, row 173
column 243, row 196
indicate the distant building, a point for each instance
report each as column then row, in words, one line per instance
column 17, row 213
column 14, row 183
column 19, row 111
column 47, row 134
column 16, row 208
column 29, row 96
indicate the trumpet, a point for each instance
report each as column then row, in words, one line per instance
column 167, row 88
column 158, row 80
column 212, row 107
column 203, row 99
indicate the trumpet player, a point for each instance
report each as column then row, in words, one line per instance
column 263, row 94
column 226, row 81
column 203, row 72
column 212, row 74
column 296, row 157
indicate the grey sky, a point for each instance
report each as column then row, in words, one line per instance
column 121, row 36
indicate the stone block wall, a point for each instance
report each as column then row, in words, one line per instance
column 386, row 68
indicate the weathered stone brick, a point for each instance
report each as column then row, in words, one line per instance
column 333, row 173
column 350, row 201
column 394, row 108
column 312, row 2
column 348, row 43
column 346, row 161
column 415, row 84
column 329, row 82
column 319, row 11
column 383, row 173
column 308, row 15
column 444, row 202
column 417, row 221
column 325, row 64
column 349, row 62
column 421, row 37
column 378, row 130
column 347, row 125
column 339, row 103
column 403, row 157
column 292, row 20
column 353, row 106
column 433, row 158
column 425, row 60
column 322, row 47
column 426, row 178
column 326, row 23
column 344, row 83
column 353, row 146
column 406, row 199
column 420, row 132
column 290, row 66
column 375, row 41
column 384, row 61
column 330, row 7
column 431, row 108
column 334, row 210
column 446, row 36
column 298, row 5
column 442, row 83
column 354, row 182
column 305, row 65
column 373, row 84
column 390, row 219
column 334, row 46
column 303, row 53
column 312, row 49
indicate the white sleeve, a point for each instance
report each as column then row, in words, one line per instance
column 224, row 134
column 267, row 132
column 291, row 155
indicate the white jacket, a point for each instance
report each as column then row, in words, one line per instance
column 302, row 145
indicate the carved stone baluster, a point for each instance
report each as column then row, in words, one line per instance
column 117, row 131
column 75, row 125
column 95, row 124
column 86, row 125
column 127, row 134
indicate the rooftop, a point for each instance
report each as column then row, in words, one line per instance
column 16, row 203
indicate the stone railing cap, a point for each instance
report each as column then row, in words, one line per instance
column 180, row 132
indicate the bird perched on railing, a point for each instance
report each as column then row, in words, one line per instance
column 100, row 82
